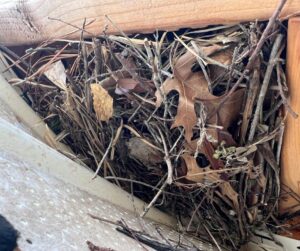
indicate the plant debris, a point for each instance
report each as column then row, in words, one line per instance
column 190, row 122
column 102, row 102
column 148, row 240
column 93, row 247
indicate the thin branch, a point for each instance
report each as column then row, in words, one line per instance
column 254, row 54
column 103, row 158
column 264, row 87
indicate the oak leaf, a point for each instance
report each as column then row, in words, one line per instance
column 226, row 114
column 193, row 171
column 198, row 174
column 102, row 102
column 206, row 175
column 207, row 147
column 193, row 86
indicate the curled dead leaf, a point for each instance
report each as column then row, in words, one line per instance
column 228, row 112
column 148, row 155
column 197, row 174
column 193, row 171
column 102, row 102
column 206, row 175
column 57, row 75
column 207, row 147
column 193, row 86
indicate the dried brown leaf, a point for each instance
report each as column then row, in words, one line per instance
column 139, row 150
column 193, row 171
column 103, row 102
column 199, row 175
column 228, row 112
column 208, row 148
column 193, row 85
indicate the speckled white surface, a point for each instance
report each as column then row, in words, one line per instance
column 53, row 215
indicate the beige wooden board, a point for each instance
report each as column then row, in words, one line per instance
column 30, row 21
column 290, row 164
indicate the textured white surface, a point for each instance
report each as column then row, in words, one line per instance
column 54, row 215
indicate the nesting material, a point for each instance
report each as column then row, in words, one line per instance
column 189, row 121
column 102, row 102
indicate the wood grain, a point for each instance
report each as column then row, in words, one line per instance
column 290, row 166
column 27, row 21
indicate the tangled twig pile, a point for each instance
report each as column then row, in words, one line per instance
column 190, row 122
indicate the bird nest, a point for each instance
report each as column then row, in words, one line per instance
column 190, row 121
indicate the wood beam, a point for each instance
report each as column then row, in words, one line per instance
column 290, row 158
column 31, row 21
